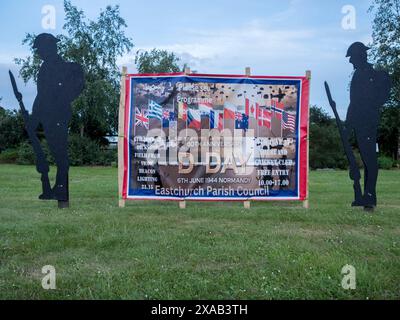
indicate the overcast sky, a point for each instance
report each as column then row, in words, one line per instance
column 273, row 37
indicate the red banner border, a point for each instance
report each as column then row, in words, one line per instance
column 304, row 136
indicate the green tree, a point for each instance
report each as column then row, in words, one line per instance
column 326, row 149
column 157, row 61
column 96, row 45
column 386, row 53
column 320, row 117
column 389, row 138
column 11, row 128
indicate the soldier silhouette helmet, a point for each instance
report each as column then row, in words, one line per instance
column 356, row 49
column 45, row 46
column 45, row 40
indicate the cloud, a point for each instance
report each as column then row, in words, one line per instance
column 262, row 46
column 268, row 50
column 221, row 49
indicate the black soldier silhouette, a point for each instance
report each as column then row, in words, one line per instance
column 59, row 83
column 369, row 91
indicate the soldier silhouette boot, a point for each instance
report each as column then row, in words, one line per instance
column 48, row 193
column 358, row 203
column 60, row 191
column 369, row 201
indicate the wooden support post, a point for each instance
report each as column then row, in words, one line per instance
column 306, row 203
column 182, row 205
column 121, row 138
column 247, row 204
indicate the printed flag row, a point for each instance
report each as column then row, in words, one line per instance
column 193, row 117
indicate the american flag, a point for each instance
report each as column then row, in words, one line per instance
column 289, row 121
column 141, row 119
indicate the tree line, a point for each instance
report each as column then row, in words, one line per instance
column 97, row 45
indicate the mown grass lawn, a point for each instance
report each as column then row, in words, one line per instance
column 209, row 251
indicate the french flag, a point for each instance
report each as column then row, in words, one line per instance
column 194, row 119
column 217, row 120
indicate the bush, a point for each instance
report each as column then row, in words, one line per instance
column 326, row 149
column 12, row 129
column 84, row 151
column 9, row 156
column 385, row 163
column 108, row 157
column 25, row 154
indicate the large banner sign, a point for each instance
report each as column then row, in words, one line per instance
column 216, row 137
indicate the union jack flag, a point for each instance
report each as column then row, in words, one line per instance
column 142, row 119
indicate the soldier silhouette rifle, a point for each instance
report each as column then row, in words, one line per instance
column 59, row 83
column 369, row 91
column 41, row 164
column 355, row 174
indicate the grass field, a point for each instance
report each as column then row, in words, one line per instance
column 209, row 251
